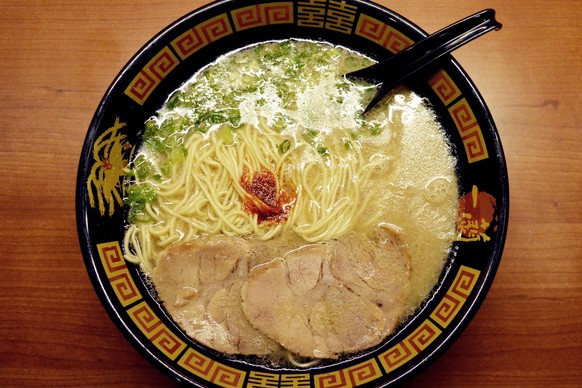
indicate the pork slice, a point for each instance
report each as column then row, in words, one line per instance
column 199, row 284
column 377, row 270
column 330, row 298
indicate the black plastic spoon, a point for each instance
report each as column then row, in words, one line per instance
column 396, row 69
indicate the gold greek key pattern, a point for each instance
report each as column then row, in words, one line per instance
column 155, row 330
column 470, row 132
column 167, row 342
column 382, row 34
column 117, row 273
column 407, row 349
column 188, row 43
column 456, row 296
column 111, row 258
column 398, row 355
column 210, row 370
column 423, row 336
column 352, row 376
column 144, row 318
column 464, row 118
column 262, row 15
column 475, row 146
column 125, row 288
column 227, row 377
column 447, row 309
column 201, row 35
column 340, row 16
column 364, row 372
column 444, row 87
column 335, row 379
column 197, row 363
column 151, row 75
column 464, row 281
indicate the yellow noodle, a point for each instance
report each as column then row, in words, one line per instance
column 206, row 195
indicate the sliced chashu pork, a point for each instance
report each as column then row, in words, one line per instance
column 200, row 285
column 325, row 299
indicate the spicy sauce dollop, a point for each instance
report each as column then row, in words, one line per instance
column 268, row 201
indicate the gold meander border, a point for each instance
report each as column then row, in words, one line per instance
column 176, row 350
column 262, row 15
column 381, row 33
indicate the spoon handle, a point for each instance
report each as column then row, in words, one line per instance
column 418, row 56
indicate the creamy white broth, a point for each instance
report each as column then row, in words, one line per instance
column 341, row 172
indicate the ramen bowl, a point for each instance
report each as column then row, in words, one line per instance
column 196, row 40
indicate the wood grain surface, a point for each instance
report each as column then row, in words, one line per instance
column 57, row 59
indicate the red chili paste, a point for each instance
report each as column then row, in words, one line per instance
column 265, row 199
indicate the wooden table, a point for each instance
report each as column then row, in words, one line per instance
column 57, row 59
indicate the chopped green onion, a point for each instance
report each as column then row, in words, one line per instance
column 376, row 129
column 142, row 167
column 227, row 135
column 137, row 198
column 284, row 146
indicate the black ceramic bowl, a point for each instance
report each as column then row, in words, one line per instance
column 194, row 41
